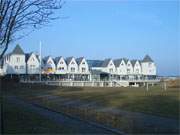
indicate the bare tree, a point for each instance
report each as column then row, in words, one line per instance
column 18, row 17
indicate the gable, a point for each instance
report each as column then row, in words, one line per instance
column 32, row 58
column 73, row 62
column 111, row 64
column 61, row 62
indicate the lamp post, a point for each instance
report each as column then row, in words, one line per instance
column 40, row 60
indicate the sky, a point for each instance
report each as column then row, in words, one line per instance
column 113, row 29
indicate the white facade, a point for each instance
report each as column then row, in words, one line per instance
column 83, row 66
column 14, row 63
column 137, row 68
column 129, row 68
column 33, row 64
column 17, row 62
column 49, row 65
column 121, row 67
column 61, row 66
column 72, row 65
column 148, row 68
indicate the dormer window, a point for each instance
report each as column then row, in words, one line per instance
column 83, row 63
column 61, row 62
column 122, row 64
column 72, row 63
column 18, row 59
column 83, row 69
column 49, row 62
column 16, row 67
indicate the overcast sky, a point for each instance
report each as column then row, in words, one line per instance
column 113, row 29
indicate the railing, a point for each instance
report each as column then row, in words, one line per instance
column 113, row 83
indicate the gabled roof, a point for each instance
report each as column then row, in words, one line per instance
column 68, row 60
column 105, row 62
column 28, row 55
column 133, row 62
column 94, row 63
column 17, row 50
column 147, row 58
column 79, row 60
column 45, row 59
column 125, row 60
column 117, row 62
column 57, row 59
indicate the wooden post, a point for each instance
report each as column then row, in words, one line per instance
column 165, row 87
column 147, row 86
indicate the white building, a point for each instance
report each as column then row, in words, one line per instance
column 121, row 68
column 61, row 66
column 32, row 64
column 14, row 62
column 148, row 66
column 70, row 68
column 49, row 66
column 72, row 65
column 83, row 67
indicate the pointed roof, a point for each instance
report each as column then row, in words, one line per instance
column 106, row 62
column 125, row 60
column 79, row 60
column 147, row 58
column 28, row 55
column 17, row 50
column 45, row 59
column 57, row 59
column 68, row 60
column 117, row 62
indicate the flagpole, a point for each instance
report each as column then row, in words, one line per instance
column 40, row 59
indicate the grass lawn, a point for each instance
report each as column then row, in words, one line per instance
column 156, row 102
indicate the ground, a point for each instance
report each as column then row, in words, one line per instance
column 130, row 110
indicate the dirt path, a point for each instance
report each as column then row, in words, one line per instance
column 79, row 126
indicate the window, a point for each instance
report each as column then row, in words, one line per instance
column 61, row 62
column 128, row 71
column 21, row 67
column 32, row 59
column 72, row 63
column 32, row 66
column 122, row 64
column 18, row 59
column 61, row 68
column 110, row 70
column 49, row 62
column 128, row 65
column 16, row 67
column 83, row 63
column 83, row 69
column 72, row 69
column 137, row 70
